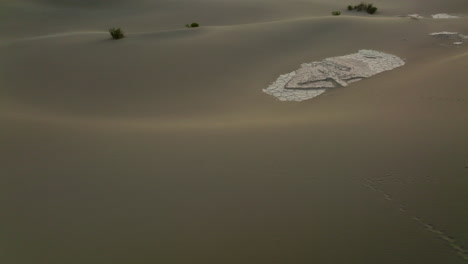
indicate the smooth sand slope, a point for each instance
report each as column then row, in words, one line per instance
column 162, row 147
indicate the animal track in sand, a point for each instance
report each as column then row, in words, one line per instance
column 449, row 240
column 391, row 179
column 443, row 99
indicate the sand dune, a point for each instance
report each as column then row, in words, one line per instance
column 162, row 147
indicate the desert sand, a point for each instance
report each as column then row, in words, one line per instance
column 163, row 148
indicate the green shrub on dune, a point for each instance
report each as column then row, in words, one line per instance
column 193, row 25
column 372, row 10
column 116, row 33
column 336, row 13
column 363, row 6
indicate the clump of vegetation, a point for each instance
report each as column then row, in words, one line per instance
column 336, row 13
column 193, row 25
column 372, row 10
column 116, row 33
column 363, row 6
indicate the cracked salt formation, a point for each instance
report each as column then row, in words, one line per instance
column 277, row 89
column 312, row 79
column 443, row 16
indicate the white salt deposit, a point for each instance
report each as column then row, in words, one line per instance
column 456, row 37
column 415, row 16
column 444, row 34
column 312, row 79
column 443, row 16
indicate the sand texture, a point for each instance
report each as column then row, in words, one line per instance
column 161, row 147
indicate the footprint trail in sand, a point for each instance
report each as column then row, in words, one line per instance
column 449, row 240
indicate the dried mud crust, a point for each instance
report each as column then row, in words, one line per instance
column 455, row 37
column 312, row 79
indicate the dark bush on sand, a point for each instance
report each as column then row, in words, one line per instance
column 369, row 8
column 336, row 13
column 116, row 33
column 193, row 25
column 372, row 10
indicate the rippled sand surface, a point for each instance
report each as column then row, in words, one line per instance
column 162, row 148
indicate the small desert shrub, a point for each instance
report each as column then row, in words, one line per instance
column 192, row 25
column 116, row 33
column 363, row 6
column 372, row 10
column 336, row 13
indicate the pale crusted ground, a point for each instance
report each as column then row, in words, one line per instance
column 331, row 73
column 443, row 16
column 457, row 38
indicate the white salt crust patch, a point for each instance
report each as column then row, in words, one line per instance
column 415, row 16
column 457, row 38
column 443, row 16
column 314, row 78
